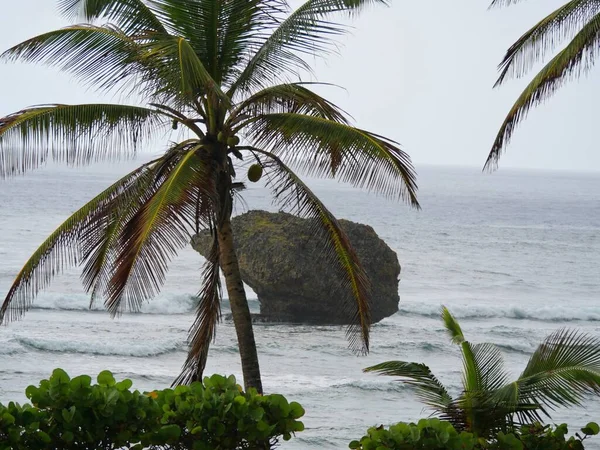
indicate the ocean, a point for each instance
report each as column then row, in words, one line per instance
column 515, row 255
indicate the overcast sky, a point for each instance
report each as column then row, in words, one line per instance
column 420, row 72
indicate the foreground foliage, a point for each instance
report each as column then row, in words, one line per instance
column 435, row 434
column 563, row 370
column 76, row 414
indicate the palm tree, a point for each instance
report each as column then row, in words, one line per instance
column 577, row 23
column 561, row 372
column 218, row 69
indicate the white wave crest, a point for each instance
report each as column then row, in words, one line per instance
column 164, row 304
column 545, row 314
column 107, row 348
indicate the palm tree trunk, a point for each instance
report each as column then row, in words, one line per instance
column 239, row 307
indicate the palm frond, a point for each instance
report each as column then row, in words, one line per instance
column 158, row 230
column 100, row 239
column 546, row 35
column 482, row 363
column 62, row 249
column 579, row 55
column 563, row 370
column 308, row 30
column 133, row 16
column 174, row 62
column 501, row 3
column 325, row 148
column 222, row 34
column 203, row 331
column 293, row 98
column 471, row 376
column 100, row 56
column 490, row 367
column 354, row 292
column 75, row 134
column 452, row 326
column 428, row 388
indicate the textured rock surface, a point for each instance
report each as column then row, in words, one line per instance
column 281, row 261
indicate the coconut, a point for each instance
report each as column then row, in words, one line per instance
column 221, row 137
column 255, row 172
column 233, row 141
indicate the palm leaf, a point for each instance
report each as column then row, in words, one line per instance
column 290, row 192
column 99, row 240
column 99, row 56
column 133, row 16
column 546, row 35
column 62, row 249
column 483, row 374
column 287, row 98
column 203, row 331
column 221, row 33
column 577, row 56
column 500, row 3
column 428, row 388
column 325, row 148
column 161, row 67
column 154, row 235
column 305, row 31
column 175, row 62
column 482, row 364
column 75, row 134
column 563, row 370
column 452, row 326
column 490, row 367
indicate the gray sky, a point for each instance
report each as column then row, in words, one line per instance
column 419, row 72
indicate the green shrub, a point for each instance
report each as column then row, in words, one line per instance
column 435, row 434
column 218, row 415
column 545, row 437
column 430, row 434
column 76, row 414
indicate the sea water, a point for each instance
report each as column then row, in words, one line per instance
column 515, row 256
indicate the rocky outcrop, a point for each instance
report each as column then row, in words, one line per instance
column 280, row 260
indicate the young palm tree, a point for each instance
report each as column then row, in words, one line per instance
column 561, row 372
column 218, row 69
column 577, row 23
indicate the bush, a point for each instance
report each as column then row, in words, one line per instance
column 76, row 414
column 435, row 434
column 430, row 434
column 218, row 415
column 545, row 437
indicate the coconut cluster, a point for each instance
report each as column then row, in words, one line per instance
column 231, row 141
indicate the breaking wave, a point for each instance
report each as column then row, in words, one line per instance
column 142, row 349
column 545, row 314
column 163, row 304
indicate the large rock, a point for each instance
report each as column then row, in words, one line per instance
column 280, row 259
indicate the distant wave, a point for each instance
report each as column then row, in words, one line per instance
column 143, row 349
column 369, row 385
column 424, row 346
column 163, row 304
column 520, row 349
column 544, row 314
column 175, row 304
